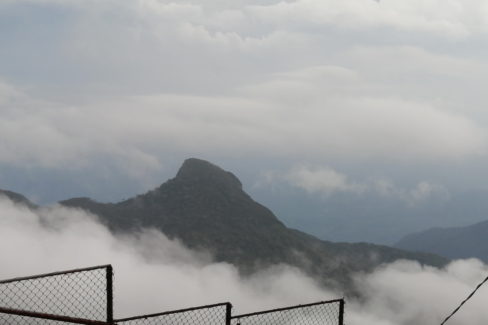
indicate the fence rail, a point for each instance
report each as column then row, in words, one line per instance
column 202, row 315
column 16, row 316
column 320, row 313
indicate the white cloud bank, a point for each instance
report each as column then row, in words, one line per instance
column 325, row 180
column 154, row 274
column 284, row 118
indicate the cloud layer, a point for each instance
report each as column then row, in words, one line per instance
column 326, row 181
column 137, row 131
column 134, row 80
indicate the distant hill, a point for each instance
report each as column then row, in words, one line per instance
column 458, row 242
column 349, row 216
column 17, row 198
column 206, row 208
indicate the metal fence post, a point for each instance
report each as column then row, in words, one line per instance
column 110, row 294
column 228, row 313
column 341, row 312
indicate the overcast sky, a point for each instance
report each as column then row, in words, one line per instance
column 106, row 98
column 356, row 98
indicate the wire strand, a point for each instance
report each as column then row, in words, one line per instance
column 465, row 300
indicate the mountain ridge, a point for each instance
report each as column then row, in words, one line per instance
column 17, row 198
column 451, row 242
column 206, row 208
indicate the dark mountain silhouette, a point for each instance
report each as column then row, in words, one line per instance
column 456, row 242
column 206, row 208
column 17, row 198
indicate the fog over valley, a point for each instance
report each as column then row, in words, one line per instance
column 153, row 273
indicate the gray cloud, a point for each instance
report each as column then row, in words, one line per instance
column 136, row 131
column 453, row 19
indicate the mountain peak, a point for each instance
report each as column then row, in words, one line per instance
column 194, row 169
column 206, row 208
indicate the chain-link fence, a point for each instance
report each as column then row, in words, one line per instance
column 85, row 296
column 218, row 314
column 320, row 313
column 75, row 294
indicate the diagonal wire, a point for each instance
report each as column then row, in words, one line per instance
column 465, row 300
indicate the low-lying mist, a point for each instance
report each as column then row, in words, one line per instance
column 154, row 273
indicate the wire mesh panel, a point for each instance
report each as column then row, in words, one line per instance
column 320, row 313
column 218, row 314
column 82, row 293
